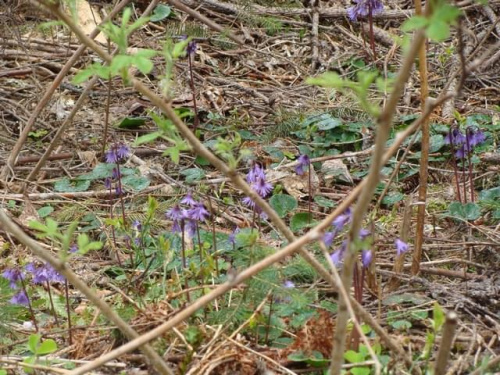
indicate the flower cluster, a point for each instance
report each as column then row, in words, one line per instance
column 256, row 177
column 464, row 143
column 42, row 274
column 364, row 8
column 117, row 153
column 338, row 224
column 186, row 218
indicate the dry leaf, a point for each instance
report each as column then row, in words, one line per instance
column 336, row 169
column 29, row 213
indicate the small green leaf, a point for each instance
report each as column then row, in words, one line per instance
column 436, row 142
column 393, row 197
column 161, row 12
column 132, row 122
column 300, row 221
column 438, row 31
column 33, row 341
column 297, row 356
column 45, row 211
column 415, row 22
column 283, row 204
column 136, row 183
column 46, row 347
column 401, row 325
column 353, row 357
column 467, row 211
column 246, row 237
column 147, row 138
column 328, row 79
column 193, row 174
column 437, row 317
column 324, row 202
column 67, row 186
column 490, row 194
column 360, row 371
column 145, row 65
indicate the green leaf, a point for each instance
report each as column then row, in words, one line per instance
column 47, row 346
column 193, row 174
column 82, row 76
column 67, row 186
column 437, row 317
column 401, row 325
column 393, row 197
column 328, row 123
column 328, row 79
column 438, row 31
column 324, row 202
column 145, row 65
column 136, row 183
column 360, row 371
column 147, row 138
column 297, row 356
column 490, row 194
column 33, row 341
column 467, row 211
column 246, row 237
column 45, row 211
column 415, row 22
column 160, row 13
column 132, row 122
column 436, row 142
column 301, row 220
column 353, row 357
column 283, row 204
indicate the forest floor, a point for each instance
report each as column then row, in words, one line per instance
column 254, row 95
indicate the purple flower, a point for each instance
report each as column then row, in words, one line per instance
column 191, row 47
column 136, row 225
column 117, row 152
column 176, row 227
column 262, row 187
column 107, row 183
column 13, row 275
column 338, row 255
column 73, row 248
column 364, row 233
column 288, row 284
column 119, row 190
column 454, row 137
column 366, row 258
column 198, row 212
column 191, row 228
column 363, row 8
column 401, row 247
column 45, row 273
column 247, row 201
column 188, row 200
column 176, row 213
column 341, row 220
column 232, row 236
column 328, row 238
column 462, row 151
column 115, row 174
column 476, row 137
column 255, row 173
column 303, row 162
column 20, row 299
